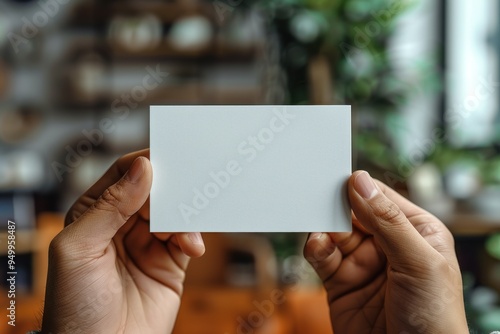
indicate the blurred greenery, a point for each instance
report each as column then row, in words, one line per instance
column 493, row 246
column 285, row 244
column 486, row 160
column 354, row 36
column 490, row 321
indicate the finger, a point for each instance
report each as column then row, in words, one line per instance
column 114, row 207
column 357, row 270
column 110, row 177
column 339, row 272
column 409, row 209
column 318, row 246
column 142, row 214
column 356, row 224
column 347, row 242
column 323, row 255
column 403, row 245
column 188, row 241
column 163, row 236
column 163, row 261
column 191, row 244
column 427, row 225
column 144, row 210
column 115, row 172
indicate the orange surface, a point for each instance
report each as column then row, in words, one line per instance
column 205, row 309
column 241, row 311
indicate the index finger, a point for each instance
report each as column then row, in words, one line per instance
column 428, row 225
column 409, row 209
column 407, row 234
column 112, row 175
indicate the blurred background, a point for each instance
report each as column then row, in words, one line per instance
column 77, row 78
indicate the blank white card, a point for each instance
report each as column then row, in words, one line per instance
column 250, row 168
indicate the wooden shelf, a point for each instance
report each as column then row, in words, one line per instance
column 472, row 224
column 188, row 92
column 219, row 50
column 204, row 94
column 92, row 14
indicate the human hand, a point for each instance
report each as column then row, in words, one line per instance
column 107, row 272
column 396, row 272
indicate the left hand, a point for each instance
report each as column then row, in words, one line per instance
column 107, row 272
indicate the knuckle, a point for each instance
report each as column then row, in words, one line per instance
column 111, row 200
column 67, row 247
column 58, row 246
column 443, row 267
column 317, row 254
column 437, row 267
column 435, row 231
column 438, row 231
column 111, row 197
column 389, row 212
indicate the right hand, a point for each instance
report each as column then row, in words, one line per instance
column 396, row 272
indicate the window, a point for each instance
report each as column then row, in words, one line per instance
column 472, row 80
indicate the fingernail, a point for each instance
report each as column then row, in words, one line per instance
column 364, row 185
column 136, row 170
column 195, row 238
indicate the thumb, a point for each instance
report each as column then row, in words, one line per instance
column 99, row 224
column 403, row 245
